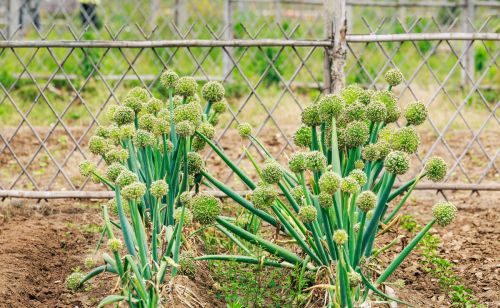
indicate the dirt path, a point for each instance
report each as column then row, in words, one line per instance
column 39, row 246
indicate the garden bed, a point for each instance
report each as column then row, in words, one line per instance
column 42, row 242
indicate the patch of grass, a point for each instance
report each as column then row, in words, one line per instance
column 439, row 267
column 91, row 228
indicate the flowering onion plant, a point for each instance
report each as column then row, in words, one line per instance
column 336, row 193
column 152, row 164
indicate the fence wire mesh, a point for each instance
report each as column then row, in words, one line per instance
column 53, row 96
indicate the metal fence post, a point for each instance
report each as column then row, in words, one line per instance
column 335, row 56
column 468, row 59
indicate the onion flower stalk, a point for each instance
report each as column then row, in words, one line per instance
column 153, row 165
column 338, row 191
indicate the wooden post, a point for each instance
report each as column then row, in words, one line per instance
column 277, row 11
column 155, row 7
column 335, row 56
column 180, row 13
column 14, row 16
column 228, row 35
column 468, row 59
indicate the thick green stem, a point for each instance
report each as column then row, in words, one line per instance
column 403, row 254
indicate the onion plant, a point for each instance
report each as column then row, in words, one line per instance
column 152, row 165
column 338, row 192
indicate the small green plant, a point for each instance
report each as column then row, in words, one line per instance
column 439, row 267
column 152, row 166
column 337, row 193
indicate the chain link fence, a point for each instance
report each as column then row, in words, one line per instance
column 55, row 92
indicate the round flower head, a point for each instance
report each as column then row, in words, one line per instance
column 134, row 191
column 195, row 163
column 340, row 237
column 355, row 112
column 195, row 98
column 272, row 172
column 187, row 218
column 436, row 169
column 205, row 208
column 385, row 134
column 356, row 134
column 325, row 200
column 87, row 168
column 364, row 96
column 444, row 213
column 168, row 79
column 186, row 86
column 307, row 214
column 302, row 137
column 359, row 164
column 384, row 148
column 188, row 112
column 297, row 162
column 123, row 115
column 98, row 145
column 393, row 77
column 110, row 112
column 154, row 105
column 159, row 188
column 127, row 131
column 315, row 161
column 244, row 129
column 341, row 137
column 73, row 280
column 114, row 244
column 351, row 93
column 114, row 170
column 393, row 114
column 133, row 103
column 146, row 122
column 187, row 265
column 263, row 196
column 310, row 115
column 185, row 128
column 349, row 185
column 198, row 144
column 125, row 178
column 329, row 182
column 140, row 93
column 214, row 119
column 114, row 134
column 359, row 176
column 143, row 138
column 185, row 198
column 213, row 91
column 406, row 139
column 115, row 155
column 206, row 129
column 370, row 152
column 297, row 193
column 376, row 112
column 330, row 106
column 161, row 127
column 397, row 162
column 89, row 262
column 220, row 107
column 366, row 201
column 354, row 279
column 102, row 131
column 416, row 113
